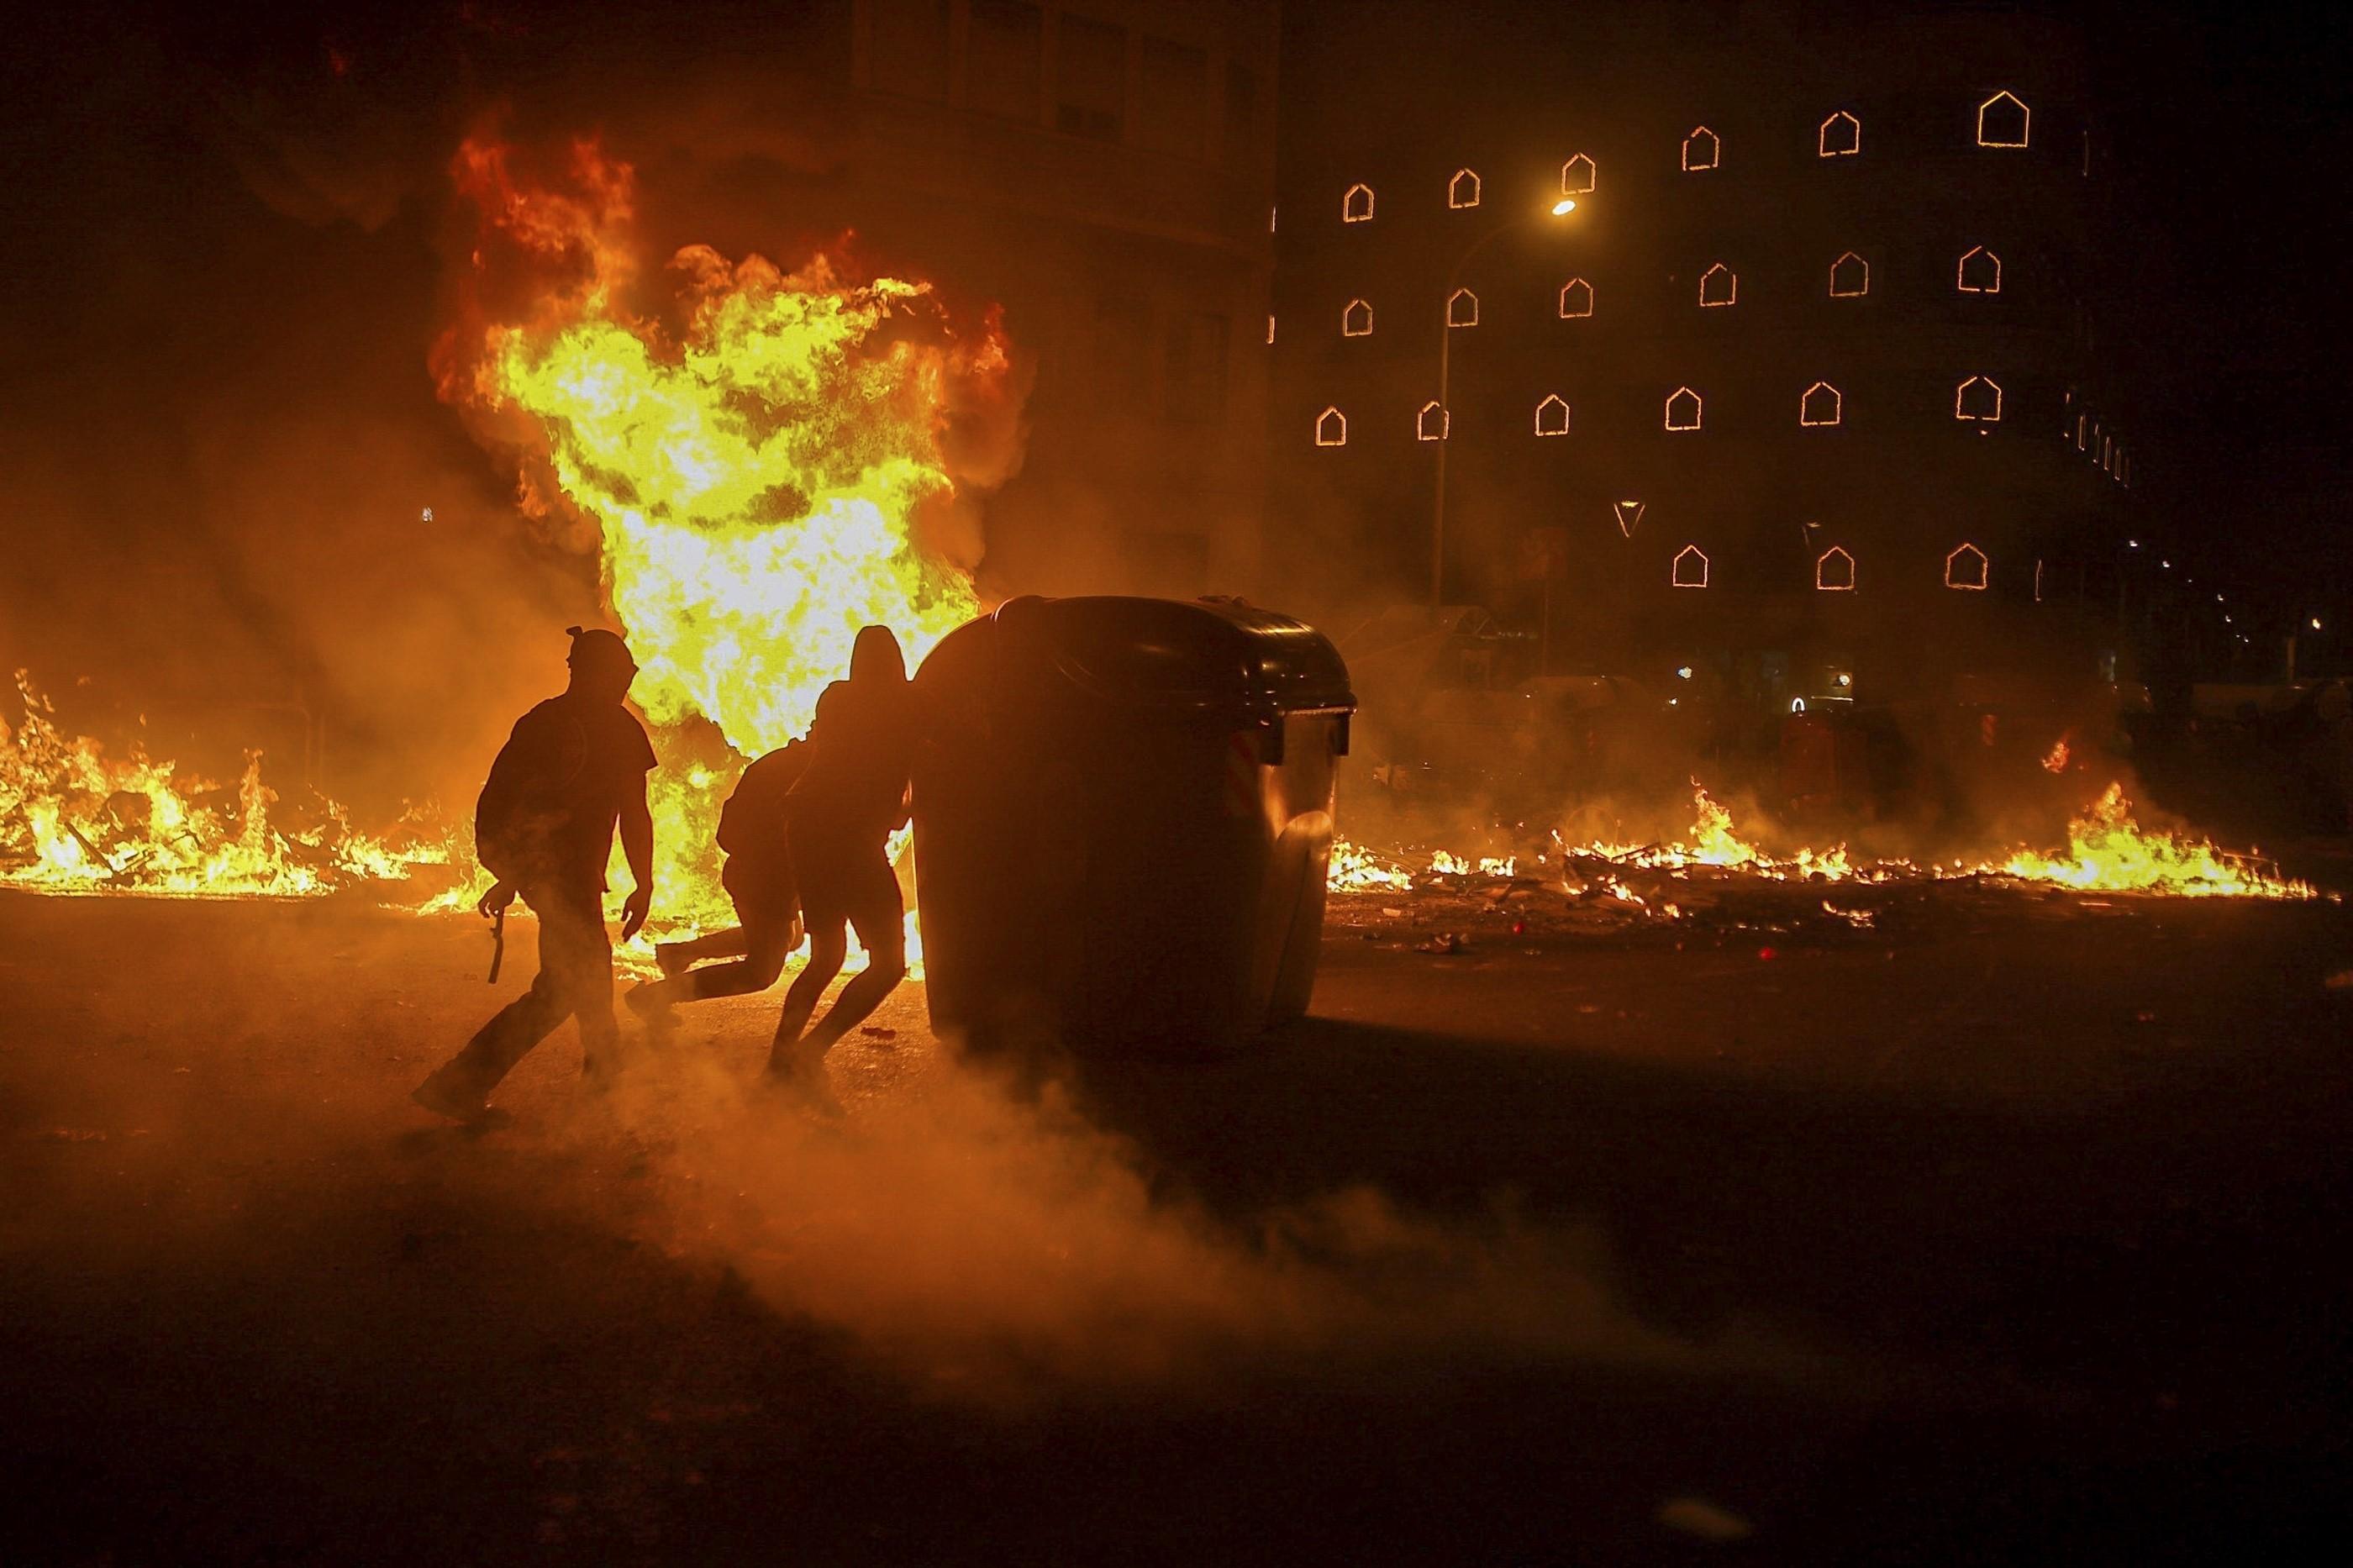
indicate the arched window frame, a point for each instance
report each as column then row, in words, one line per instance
column 1421, row 426
column 1811, row 408
column 1678, row 575
column 1981, row 414
column 1460, row 195
column 1832, row 565
column 1352, row 210
column 1576, row 299
column 1698, row 409
column 1460, row 318
column 1858, row 276
column 1578, row 175
column 1703, row 149
column 1971, row 561
column 1988, row 279
column 2025, row 120
column 1726, row 291
column 1331, row 427
column 1556, row 408
column 1356, row 320
column 1840, row 135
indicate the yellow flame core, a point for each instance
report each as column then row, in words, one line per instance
column 754, row 488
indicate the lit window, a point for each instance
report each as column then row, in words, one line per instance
column 1719, row 285
column 1576, row 176
column 1269, row 330
column 1462, row 309
column 1462, row 190
column 1433, row 421
column 1628, row 514
column 2001, row 120
column 1834, row 571
column 1552, row 415
column 1576, row 298
column 2107, row 452
column 1840, row 136
column 2038, row 599
column 1682, row 409
column 1821, row 405
column 1850, row 277
column 1690, row 570
column 1701, row 150
column 1979, row 399
column 1965, row 568
column 1356, row 320
column 1980, row 272
column 1356, row 206
column 1331, row 428
column 2080, row 421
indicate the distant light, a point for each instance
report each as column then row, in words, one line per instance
column 2167, row 564
column 1797, row 705
column 2218, row 598
column 1846, row 680
column 1563, row 207
column 2226, row 620
column 1673, row 700
column 1683, row 671
column 2316, row 623
column 2132, row 544
column 425, row 516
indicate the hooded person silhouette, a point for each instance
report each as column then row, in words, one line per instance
column 850, row 798
column 573, row 769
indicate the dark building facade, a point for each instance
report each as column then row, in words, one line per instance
column 1104, row 170
column 1808, row 382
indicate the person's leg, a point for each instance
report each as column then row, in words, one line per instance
column 766, row 944
column 461, row 1086
column 879, row 919
column 574, row 942
column 828, row 946
column 676, row 957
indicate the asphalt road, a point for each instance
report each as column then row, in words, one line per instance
column 1998, row 1228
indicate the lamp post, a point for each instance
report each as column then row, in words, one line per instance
column 1560, row 209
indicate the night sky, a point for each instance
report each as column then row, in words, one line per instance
column 215, row 229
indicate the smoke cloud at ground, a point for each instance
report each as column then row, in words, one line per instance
column 1002, row 1246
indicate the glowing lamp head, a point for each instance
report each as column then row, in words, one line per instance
column 1563, row 207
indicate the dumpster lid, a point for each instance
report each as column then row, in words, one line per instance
column 1199, row 653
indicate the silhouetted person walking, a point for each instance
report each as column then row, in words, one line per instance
column 849, row 801
column 575, row 767
column 759, row 875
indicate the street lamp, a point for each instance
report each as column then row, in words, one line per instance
column 1560, row 209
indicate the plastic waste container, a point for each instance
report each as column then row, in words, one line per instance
column 1124, row 821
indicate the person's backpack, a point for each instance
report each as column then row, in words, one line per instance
column 757, row 811
column 514, row 811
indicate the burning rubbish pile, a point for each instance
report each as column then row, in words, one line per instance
column 74, row 819
column 1713, row 875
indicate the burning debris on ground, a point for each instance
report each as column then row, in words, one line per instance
column 1713, row 881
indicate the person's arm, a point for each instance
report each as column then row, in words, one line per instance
column 637, row 845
